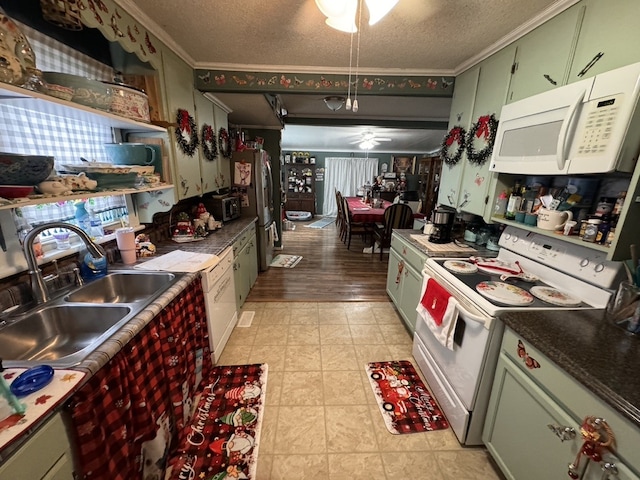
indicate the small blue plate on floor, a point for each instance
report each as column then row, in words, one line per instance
column 32, row 380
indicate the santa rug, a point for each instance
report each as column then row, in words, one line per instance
column 222, row 439
column 405, row 403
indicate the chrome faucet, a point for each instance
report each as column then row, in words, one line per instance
column 38, row 284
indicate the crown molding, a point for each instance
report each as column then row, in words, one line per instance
column 547, row 14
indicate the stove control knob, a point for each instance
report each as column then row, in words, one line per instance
column 584, row 262
column 507, row 236
column 515, row 238
column 599, row 267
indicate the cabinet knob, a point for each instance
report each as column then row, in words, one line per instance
column 562, row 432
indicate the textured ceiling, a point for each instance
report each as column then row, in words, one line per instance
column 418, row 37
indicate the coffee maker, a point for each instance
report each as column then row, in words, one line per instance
column 442, row 219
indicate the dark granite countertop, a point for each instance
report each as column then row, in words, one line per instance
column 596, row 353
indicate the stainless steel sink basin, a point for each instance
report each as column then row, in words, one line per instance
column 123, row 287
column 63, row 331
column 58, row 334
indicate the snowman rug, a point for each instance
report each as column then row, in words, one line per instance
column 405, row 403
column 222, row 439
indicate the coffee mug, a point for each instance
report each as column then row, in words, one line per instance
column 130, row 153
column 553, row 219
column 531, row 219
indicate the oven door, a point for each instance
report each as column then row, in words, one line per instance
column 456, row 376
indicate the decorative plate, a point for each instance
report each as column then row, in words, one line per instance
column 460, row 266
column 504, row 293
column 554, row 296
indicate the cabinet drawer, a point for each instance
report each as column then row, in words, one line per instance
column 40, row 453
column 408, row 252
column 568, row 391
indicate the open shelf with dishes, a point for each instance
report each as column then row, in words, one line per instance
column 39, row 102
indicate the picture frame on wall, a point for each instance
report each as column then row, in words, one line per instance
column 404, row 165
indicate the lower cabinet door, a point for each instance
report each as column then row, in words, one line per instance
column 395, row 277
column 516, row 430
column 412, row 286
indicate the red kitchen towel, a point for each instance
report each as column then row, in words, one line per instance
column 435, row 300
column 438, row 309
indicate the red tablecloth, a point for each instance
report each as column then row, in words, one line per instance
column 364, row 213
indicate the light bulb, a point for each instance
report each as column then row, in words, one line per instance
column 348, row 104
column 378, row 9
column 354, row 108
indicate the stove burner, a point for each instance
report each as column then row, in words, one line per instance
column 460, row 266
column 554, row 296
column 504, row 293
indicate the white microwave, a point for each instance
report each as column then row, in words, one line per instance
column 591, row 126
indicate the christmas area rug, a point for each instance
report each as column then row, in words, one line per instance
column 222, row 439
column 405, row 403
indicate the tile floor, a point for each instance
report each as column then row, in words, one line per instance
column 321, row 421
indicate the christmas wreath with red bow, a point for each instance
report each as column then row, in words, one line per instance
column 456, row 135
column 225, row 143
column 209, row 144
column 186, row 133
column 483, row 130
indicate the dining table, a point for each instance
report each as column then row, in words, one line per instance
column 364, row 213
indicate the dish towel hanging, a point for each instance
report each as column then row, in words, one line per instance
column 439, row 310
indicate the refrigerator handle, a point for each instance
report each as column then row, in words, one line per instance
column 269, row 186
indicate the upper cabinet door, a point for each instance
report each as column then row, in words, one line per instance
column 178, row 81
column 208, row 167
column 464, row 95
column 610, row 29
column 543, row 55
column 493, row 85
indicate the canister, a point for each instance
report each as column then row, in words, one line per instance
column 591, row 230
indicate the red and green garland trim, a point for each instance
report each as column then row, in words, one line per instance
column 186, row 133
column 225, row 143
column 484, row 129
column 209, row 144
column 456, row 135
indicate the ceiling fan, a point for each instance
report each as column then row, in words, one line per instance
column 368, row 140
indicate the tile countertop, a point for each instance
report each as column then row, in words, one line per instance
column 596, row 353
column 214, row 243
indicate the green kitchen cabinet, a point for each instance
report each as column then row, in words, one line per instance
column 404, row 279
column 610, row 29
column 544, row 55
column 46, row 455
column 464, row 96
column 532, row 429
column 491, row 94
column 245, row 264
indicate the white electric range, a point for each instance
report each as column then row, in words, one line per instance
column 557, row 275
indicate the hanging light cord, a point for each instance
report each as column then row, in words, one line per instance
column 348, row 105
column 355, row 95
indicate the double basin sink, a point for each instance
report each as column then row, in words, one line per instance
column 62, row 332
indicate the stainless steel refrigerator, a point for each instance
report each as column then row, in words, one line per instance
column 252, row 180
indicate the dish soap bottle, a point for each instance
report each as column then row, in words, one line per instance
column 82, row 217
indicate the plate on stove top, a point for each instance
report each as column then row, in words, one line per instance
column 460, row 266
column 504, row 293
column 554, row 296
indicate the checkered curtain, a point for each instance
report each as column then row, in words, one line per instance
column 39, row 133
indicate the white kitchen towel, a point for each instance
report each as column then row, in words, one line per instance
column 443, row 321
column 274, row 233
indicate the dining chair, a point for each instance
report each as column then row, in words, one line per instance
column 363, row 229
column 340, row 224
column 397, row 216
